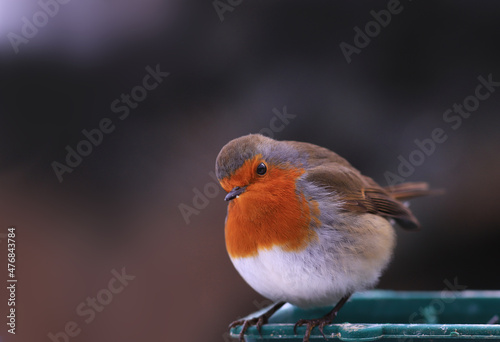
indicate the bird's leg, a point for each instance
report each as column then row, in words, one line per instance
column 320, row 322
column 257, row 321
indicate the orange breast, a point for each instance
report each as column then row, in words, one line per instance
column 270, row 213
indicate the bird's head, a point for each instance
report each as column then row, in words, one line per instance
column 258, row 167
column 267, row 208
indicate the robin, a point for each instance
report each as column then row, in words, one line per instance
column 304, row 226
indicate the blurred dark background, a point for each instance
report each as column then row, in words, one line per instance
column 120, row 206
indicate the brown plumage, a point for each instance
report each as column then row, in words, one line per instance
column 358, row 192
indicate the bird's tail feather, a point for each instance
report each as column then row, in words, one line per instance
column 405, row 191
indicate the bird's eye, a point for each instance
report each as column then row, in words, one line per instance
column 261, row 169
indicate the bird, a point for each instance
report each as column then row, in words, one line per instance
column 304, row 226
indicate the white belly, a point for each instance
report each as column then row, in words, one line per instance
column 318, row 276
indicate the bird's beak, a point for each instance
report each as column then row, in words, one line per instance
column 234, row 193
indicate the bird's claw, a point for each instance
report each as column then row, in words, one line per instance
column 310, row 325
column 257, row 321
column 247, row 323
column 320, row 322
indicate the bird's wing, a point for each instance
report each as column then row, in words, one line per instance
column 357, row 192
column 361, row 194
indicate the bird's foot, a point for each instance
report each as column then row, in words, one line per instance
column 257, row 321
column 311, row 324
column 246, row 323
column 319, row 322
